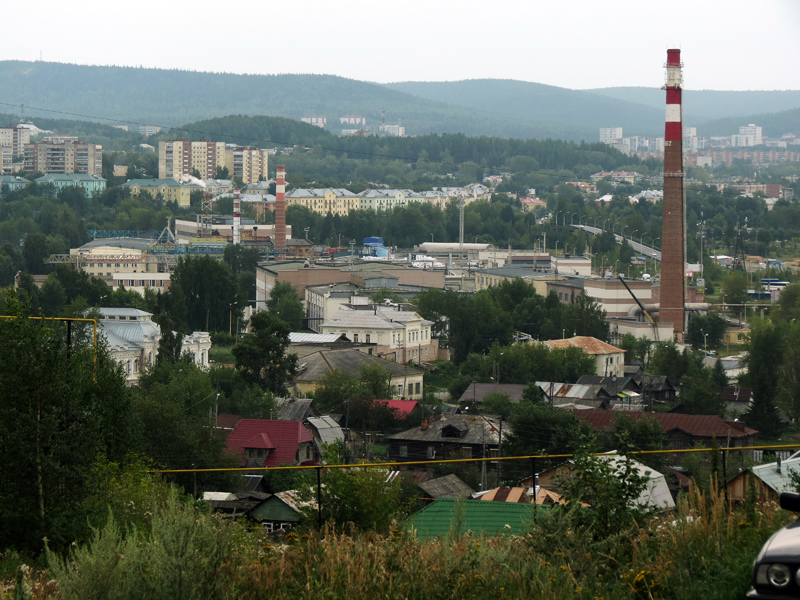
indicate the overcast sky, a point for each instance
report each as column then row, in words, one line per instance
column 578, row 44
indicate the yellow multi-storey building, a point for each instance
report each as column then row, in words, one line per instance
column 171, row 190
column 337, row 201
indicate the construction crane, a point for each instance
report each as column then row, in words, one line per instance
column 641, row 306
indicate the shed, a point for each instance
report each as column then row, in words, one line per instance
column 449, row 486
column 770, row 480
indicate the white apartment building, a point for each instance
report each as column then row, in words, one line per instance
column 316, row 120
column 393, row 130
column 610, row 135
column 749, row 135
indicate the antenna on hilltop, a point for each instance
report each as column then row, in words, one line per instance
column 22, row 108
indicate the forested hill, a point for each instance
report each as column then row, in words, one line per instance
column 449, row 150
column 502, row 108
column 172, row 97
column 773, row 124
column 569, row 108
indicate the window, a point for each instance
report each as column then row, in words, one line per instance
column 400, row 389
column 355, row 338
column 466, row 451
column 417, row 388
column 403, row 451
column 431, row 452
column 368, row 338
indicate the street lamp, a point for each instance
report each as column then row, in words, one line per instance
column 571, row 216
column 431, row 237
column 556, row 252
column 557, row 212
column 635, row 231
column 604, row 224
column 622, row 231
column 564, row 221
column 596, row 219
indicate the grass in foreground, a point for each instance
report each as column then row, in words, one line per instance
column 703, row 549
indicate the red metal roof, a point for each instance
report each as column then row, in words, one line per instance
column 227, row 421
column 403, row 407
column 695, row 425
column 259, row 441
column 285, row 437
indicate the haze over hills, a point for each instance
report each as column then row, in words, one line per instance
column 700, row 106
column 503, row 108
column 537, row 101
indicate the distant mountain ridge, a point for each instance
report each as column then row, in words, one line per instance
column 708, row 105
column 503, row 108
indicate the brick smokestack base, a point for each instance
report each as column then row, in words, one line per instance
column 280, row 208
column 673, row 294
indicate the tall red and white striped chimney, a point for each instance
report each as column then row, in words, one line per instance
column 280, row 207
column 237, row 217
column 673, row 233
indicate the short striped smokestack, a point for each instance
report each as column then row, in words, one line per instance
column 673, row 238
column 237, row 217
column 280, row 208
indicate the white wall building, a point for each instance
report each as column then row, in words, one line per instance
column 610, row 135
column 133, row 337
column 400, row 335
column 749, row 135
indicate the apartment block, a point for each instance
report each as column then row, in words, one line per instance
column 610, row 135
column 64, row 155
column 15, row 137
column 248, row 164
column 181, row 157
column 749, row 135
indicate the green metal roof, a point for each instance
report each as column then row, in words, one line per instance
column 478, row 516
column 150, row 183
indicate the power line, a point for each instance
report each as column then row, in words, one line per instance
column 471, row 460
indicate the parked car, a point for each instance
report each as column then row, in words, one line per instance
column 776, row 570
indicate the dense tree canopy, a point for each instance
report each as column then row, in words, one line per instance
column 62, row 408
column 261, row 355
